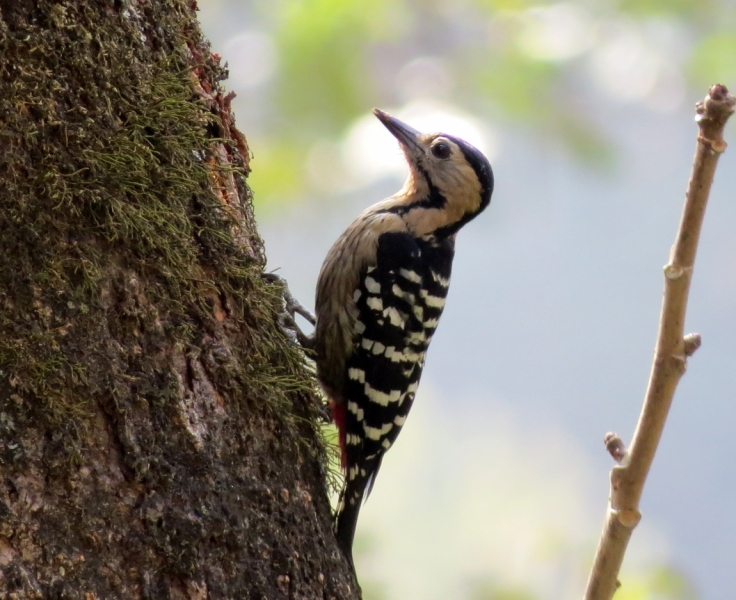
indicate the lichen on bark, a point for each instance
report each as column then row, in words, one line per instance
column 159, row 435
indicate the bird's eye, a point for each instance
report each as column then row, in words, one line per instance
column 441, row 150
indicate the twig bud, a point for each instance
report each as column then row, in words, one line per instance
column 615, row 446
column 691, row 342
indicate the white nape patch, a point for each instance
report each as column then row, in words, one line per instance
column 431, row 323
column 378, row 348
column 432, row 301
column 367, row 344
column 373, row 433
column 443, row 281
column 390, row 352
column 356, row 410
column 380, row 397
column 358, row 327
column 386, row 444
column 394, row 316
column 357, row 375
column 372, row 285
column 374, row 303
column 399, row 421
column 412, row 276
column 356, row 295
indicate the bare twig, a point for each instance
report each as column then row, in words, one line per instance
column 670, row 356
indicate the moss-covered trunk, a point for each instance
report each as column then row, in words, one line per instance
column 158, row 434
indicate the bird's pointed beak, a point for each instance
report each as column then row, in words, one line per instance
column 407, row 136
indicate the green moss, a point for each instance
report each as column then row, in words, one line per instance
column 111, row 220
column 143, row 377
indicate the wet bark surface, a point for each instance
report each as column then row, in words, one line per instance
column 159, row 435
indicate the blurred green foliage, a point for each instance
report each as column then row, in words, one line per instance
column 339, row 58
column 660, row 583
column 714, row 59
column 323, row 45
column 490, row 591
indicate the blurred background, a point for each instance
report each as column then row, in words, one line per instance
column 497, row 487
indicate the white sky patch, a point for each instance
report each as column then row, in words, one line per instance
column 671, row 89
column 625, row 66
column 251, row 58
column 211, row 15
column 481, row 497
column 370, row 152
column 424, row 77
column 556, row 33
column 325, row 169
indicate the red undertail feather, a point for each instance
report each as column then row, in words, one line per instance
column 338, row 416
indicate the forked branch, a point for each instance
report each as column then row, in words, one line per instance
column 670, row 356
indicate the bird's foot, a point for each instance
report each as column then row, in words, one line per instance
column 292, row 307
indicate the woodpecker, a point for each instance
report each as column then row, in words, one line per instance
column 380, row 294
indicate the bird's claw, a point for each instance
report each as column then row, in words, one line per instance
column 292, row 307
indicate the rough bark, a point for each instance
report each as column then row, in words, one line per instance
column 159, row 435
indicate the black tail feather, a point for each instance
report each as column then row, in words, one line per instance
column 351, row 500
column 347, row 519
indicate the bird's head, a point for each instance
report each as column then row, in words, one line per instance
column 450, row 181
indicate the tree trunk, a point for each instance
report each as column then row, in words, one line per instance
column 159, row 435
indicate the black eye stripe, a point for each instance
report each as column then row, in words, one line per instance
column 441, row 150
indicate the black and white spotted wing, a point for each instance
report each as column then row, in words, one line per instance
column 399, row 303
